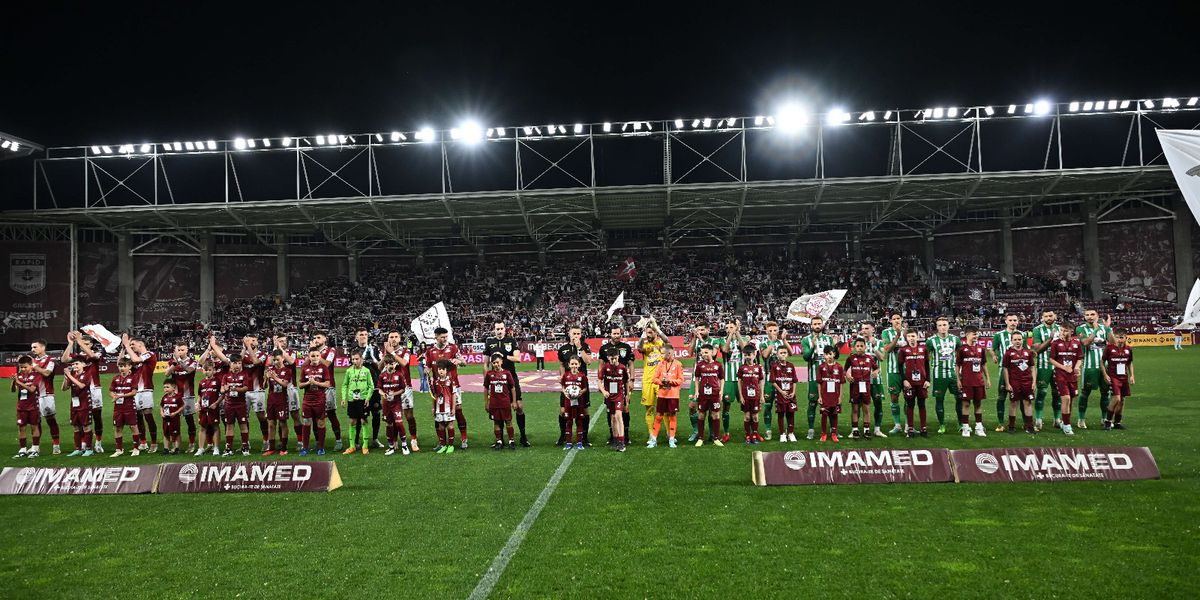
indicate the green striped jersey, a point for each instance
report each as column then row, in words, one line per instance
column 889, row 334
column 1094, row 354
column 773, row 345
column 813, row 349
column 734, row 357
column 873, row 347
column 942, row 354
column 1002, row 341
column 1041, row 333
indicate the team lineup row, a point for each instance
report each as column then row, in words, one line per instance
column 757, row 375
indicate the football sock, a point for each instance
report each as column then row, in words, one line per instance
column 939, row 407
column 245, row 437
column 671, row 425
column 624, row 421
column 461, row 420
column 78, row 438
column 191, row 427
column 812, row 413
column 153, row 427
column 650, row 416
column 228, row 438
column 97, row 423
column 510, row 431
column 1056, row 404
column 374, row 424
column 1105, row 391
column 1081, row 408
column 262, row 427
column 833, row 423
column 725, row 418
column 754, row 425
column 695, row 420
column 320, row 437
column 964, row 421
column 700, row 427
column 791, row 422
column 305, row 434
column 441, row 435
column 412, row 426
column 746, row 426
column 87, row 440
column 118, row 440
column 610, row 426
column 581, row 428
column 334, row 423
column 1039, row 402
column 1000, row 405
column 656, row 426
column 878, row 409
column 1012, row 421
column 824, row 424
column 53, row 423
column 1066, row 418
column 567, row 430
column 1119, row 415
column 896, row 414
column 141, row 421
column 714, row 424
column 766, row 414
column 921, row 409
column 562, row 425
column 978, row 417
column 1028, row 420
column 908, row 411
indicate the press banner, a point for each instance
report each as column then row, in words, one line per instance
column 273, row 476
column 875, row 465
column 1053, row 464
column 129, row 479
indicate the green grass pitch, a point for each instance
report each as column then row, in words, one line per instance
column 647, row 524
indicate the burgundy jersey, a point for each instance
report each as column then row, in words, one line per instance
column 91, row 368
column 210, row 391
column 442, row 389
column 28, row 400
column 573, row 384
column 750, row 375
column 1020, row 367
column 971, row 360
column 403, row 357
column 330, row 354
column 860, row 367
column 392, row 382
column 123, row 384
column 450, row 352
column 613, row 379
column 783, row 374
column 1117, row 360
column 1069, row 354
column 255, row 371
column 236, row 380
column 171, row 403
column 143, row 372
column 45, row 361
column 183, row 374
column 315, row 396
column 707, row 379
column 285, row 374
column 914, row 364
column 81, row 395
column 498, row 386
column 830, row 377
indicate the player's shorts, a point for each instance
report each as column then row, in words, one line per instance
column 47, row 406
column 124, row 419
column 393, row 411
column 235, row 412
column 708, row 403
column 503, row 413
column 330, row 399
column 406, row 399
column 857, row 397
column 210, row 417
column 649, row 393
column 895, row 384
column 143, row 400
column 293, row 398
column 729, row 391
column 97, row 397
column 941, row 385
column 313, row 412
column 458, row 396
column 256, row 401
column 1066, row 388
column 573, row 412
column 189, row 405
column 1045, row 377
column 28, row 417
column 877, row 390
column 1120, row 387
column 860, row 394
column 785, row 406
column 668, row 406
column 750, row 405
column 278, row 407
column 443, row 417
column 356, row 409
column 916, row 392
column 973, row 392
column 616, row 403
column 1022, row 393
column 81, row 417
column 831, row 409
column 170, row 426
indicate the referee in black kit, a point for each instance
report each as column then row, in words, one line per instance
column 572, row 349
column 624, row 356
column 371, row 359
column 503, row 344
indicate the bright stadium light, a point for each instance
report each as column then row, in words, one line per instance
column 1012, row 109
column 320, row 140
column 500, row 132
column 145, row 149
column 395, row 137
column 607, row 127
column 15, row 146
column 1148, row 103
column 1170, row 103
column 95, row 149
column 212, row 144
column 578, row 128
column 286, row 141
column 837, row 116
column 678, row 123
column 471, row 132
column 938, row 112
column 791, row 117
column 1074, row 106
column 1112, row 105
column 190, row 146
column 425, row 134
column 731, row 122
column 1087, row 105
column 341, row 139
column 249, row 142
column 695, row 123
column 707, row 122
column 5, row 144
column 770, row 121
column 758, row 121
column 238, row 143
column 1041, row 107
column 952, row 112
column 1124, row 104
column 529, row 130
column 378, row 137
column 887, row 115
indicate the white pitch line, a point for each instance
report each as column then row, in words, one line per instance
column 496, row 569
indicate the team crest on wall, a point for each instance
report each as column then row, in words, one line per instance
column 27, row 273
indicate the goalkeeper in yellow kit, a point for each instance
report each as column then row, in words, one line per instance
column 651, row 346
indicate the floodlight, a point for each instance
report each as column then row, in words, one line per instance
column 678, row 123
column 1087, row 105
column 758, row 121
column 191, row 146
column 378, row 137
column 15, row 146
column 425, row 134
column 1124, row 104
column 578, row 128
column 730, row 122
column 887, row 115
column 695, row 123
column 249, row 142
column 529, row 130
column 607, row 127
column 1148, row 103
column 95, row 149
column 791, row 117
column 1074, row 106
column 341, row 139
column 707, row 122
column 320, row 140
column 500, row 131
column 212, row 144
column 1112, row 105
column 1012, row 109
column 145, row 149
column 1192, row 101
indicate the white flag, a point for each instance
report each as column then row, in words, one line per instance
column 617, row 304
column 103, row 336
column 821, row 304
column 1182, row 147
column 1191, row 313
column 435, row 317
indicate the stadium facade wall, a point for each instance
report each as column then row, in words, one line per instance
column 35, row 301
column 166, row 287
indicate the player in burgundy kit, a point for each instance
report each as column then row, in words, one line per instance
column 403, row 356
column 708, row 380
column 973, row 380
column 235, row 385
column 75, row 381
column 444, row 350
column 1118, row 373
column 209, row 407
column 830, row 376
column 750, row 391
column 328, row 356
column 280, row 377
column 393, row 387
column 784, row 381
column 860, row 367
column 573, row 383
column 28, row 385
column 124, row 388
column 499, row 386
column 293, row 394
column 91, row 356
column 143, row 370
column 181, row 370
column 44, row 365
column 914, row 372
column 445, row 403
column 614, row 381
column 1066, row 357
column 316, row 378
column 1018, row 367
column 172, row 406
column 254, row 362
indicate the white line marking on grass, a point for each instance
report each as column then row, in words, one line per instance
column 496, row 569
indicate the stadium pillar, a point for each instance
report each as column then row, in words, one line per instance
column 281, row 270
column 929, row 255
column 206, row 278
column 1185, row 271
column 124, row 283
column 542, row 258
column 1091, row 247
column 856, row 248
column 1006, row 249
column 352, row 262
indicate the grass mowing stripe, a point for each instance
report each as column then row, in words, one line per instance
column 496, row 569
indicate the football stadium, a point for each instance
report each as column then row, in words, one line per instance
column 834, row 342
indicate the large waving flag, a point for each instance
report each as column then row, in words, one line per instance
column 1182, row 148
column 821, row 304
column 1191, row 314
column 435, row 317
column 627, row 271
column 617, row 304
column 103, row 336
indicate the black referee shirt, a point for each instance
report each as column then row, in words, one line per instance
column 568, row 351
column 625, row 352
column 502, row 346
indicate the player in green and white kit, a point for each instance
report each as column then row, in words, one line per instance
column 1094, row 336
column 943, row 356
column 812, row 349
column 890, row 341
column 766, row 350
column 1001, row 342
column 1043, row 335
column 731, row 350
column 867, row 332
column 700, row 338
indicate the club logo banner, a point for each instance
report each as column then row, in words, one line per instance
column 317, row 476
column 131, row 479
column 1053, row 464
column 881, row 465
column 27, row 273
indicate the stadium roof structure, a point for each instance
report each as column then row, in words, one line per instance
column 679, row 183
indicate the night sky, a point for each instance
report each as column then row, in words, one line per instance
column 127, row 72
